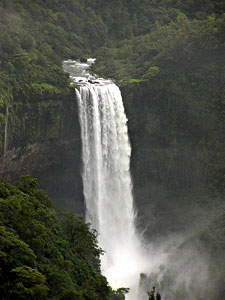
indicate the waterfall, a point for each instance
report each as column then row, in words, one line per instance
column 106, row 176
column 6, row 130
column 107, row 189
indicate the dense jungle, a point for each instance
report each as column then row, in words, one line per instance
column 168, row 58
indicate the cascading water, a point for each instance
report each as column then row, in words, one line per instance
column 106, row 177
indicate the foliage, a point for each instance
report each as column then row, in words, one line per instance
column 172, row 82
column 153, row 295
column 119, row 294
column 168, row 58
column 43, row 256
column 81, row 237
column 180, row 70
column 36, row 35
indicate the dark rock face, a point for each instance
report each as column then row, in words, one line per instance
column 56, row 165
column 44, row 141
column 83, row 59
column 169, row 178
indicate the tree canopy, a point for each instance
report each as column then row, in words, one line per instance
column 45, row 255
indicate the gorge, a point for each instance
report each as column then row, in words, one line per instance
column 167, row 58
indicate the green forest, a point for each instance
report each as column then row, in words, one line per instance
column 168, row 58
column 46, row 254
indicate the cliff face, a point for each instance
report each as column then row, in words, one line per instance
column 39, row 117
column 170, row 178
column 44, row 141
column 170, row 169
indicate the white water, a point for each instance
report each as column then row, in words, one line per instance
column 106, row 177
column 169, row 264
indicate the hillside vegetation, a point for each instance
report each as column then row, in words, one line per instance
column 172, row 80
column 44, row 255
column 168, row 58
column 178, row 70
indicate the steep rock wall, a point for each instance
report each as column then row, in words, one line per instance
column 168, row 168
column 44, row 141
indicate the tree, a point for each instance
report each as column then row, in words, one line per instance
column 153, row 295
column 43, row 256
column 82, row 238
column 18, row 275
column 119, row 294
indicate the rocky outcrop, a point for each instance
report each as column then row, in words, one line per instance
column 56, row 165
column 44, row 141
